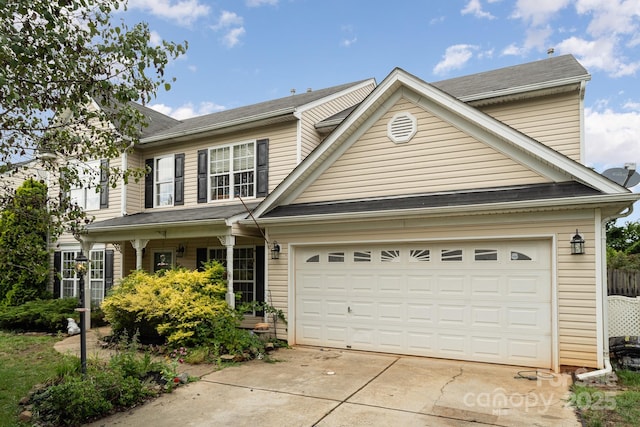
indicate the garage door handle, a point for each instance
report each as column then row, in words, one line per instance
column 348, row 309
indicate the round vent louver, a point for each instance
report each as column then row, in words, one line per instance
column 402, row 127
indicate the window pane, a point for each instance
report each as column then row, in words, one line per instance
column 164, row 169
column 164, row 196
column 219, row 160
column 219, row 187
column 486, row 254
column 243, row 184
column 451, row 255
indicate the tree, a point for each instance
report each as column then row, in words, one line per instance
column 24, row 255
column 623, row 246
column 59, row 59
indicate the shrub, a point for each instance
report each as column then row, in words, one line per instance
column 183, row 307
column 71, row 398
column 39, row 315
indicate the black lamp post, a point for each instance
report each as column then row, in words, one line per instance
column 81, row 269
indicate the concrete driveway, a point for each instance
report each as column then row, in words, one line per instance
column 321, row 387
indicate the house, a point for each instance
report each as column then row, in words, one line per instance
column 403, row 217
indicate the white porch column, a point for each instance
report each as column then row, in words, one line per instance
column 229, row 242
column 139, row 245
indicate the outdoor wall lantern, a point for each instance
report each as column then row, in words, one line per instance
column 275, row 250
column 577, row 244
column 81, row 270
column 180, row 251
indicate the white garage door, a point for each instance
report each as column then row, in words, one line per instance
column 485, row 301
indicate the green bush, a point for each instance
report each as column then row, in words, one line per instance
column 126, row 380
column 182, row 307
column 48, row 315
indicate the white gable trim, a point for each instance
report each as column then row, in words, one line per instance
column 513, row 143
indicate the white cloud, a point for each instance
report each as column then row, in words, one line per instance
column 258, row 3
column 232, row 37
column 601, row 54
column 610, row 16
column 538, row 12
column 348, row 42
column 154, row 38
column 455, row 57
column 611, row 138
column 474, row 7
column 188, row 110
column 184, row 12
column 232, row 25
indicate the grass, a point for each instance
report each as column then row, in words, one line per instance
column 25, row 360
column 599, row 408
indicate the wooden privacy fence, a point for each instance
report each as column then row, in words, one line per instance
column 623, row 282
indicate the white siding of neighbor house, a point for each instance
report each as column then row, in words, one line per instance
column 575, row 278
column 552, row 120
column 309, row 118
column 449, row 160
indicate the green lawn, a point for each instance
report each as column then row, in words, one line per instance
column 25, row 360
column 604, row 408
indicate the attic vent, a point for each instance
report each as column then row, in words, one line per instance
column 402, row 127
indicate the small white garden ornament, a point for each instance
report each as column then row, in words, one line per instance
column 72, row 327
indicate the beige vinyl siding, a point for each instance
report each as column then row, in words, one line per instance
column 576, row 275
column 282, row 157
column 449, row 160
column 135, row 190
column 310, row 137
column 552, row 120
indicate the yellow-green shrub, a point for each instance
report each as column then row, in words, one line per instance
column 182, row 306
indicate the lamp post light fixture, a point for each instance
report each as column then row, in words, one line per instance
column 275, row 250
column 577, row 244
column 81, row 270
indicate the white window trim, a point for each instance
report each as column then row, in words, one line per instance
column 231, row 173
column 156, row 192
column 91, row 188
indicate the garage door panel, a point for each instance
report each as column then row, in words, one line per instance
column 451, row 285
column 392, row 312
column 419, row 286
column 421, row 313
column 483, row 302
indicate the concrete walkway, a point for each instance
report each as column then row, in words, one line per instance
column 321, row 387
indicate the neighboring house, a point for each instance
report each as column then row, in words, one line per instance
column 413, row 218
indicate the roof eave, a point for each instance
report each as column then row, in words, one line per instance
column 459, row 210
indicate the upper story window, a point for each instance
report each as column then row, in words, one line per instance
column 90, row 190
column 163, row 181
column 164, row 184
column 232, row 171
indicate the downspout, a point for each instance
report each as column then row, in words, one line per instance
column 605, row 304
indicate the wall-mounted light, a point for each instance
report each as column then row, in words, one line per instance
column 180, row 251
column 275, row 250
column 577, row 244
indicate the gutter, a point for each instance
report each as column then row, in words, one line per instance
column 485, row 208
column 605, row 319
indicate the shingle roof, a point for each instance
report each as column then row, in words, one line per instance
column 458, row 198
column 532, row 73
column 207, row 213
column 157, row 122
column 229, row 116
column 483, row 85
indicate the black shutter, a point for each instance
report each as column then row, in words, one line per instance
column 108, row 270
column 202, row 175
column 104, row 184
column 57, row 268
column 148, row 184
column 262, row 172
column 259, row 277
column 201, row 258
column 178, row 181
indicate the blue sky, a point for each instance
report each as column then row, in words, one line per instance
column 247, row 51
